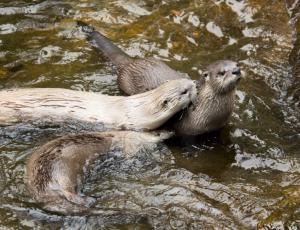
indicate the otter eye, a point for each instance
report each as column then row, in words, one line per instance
column 206, row 75
column 165, row 102
column 222, row 73
column 184, row 92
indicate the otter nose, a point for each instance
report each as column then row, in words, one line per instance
column 236, row 71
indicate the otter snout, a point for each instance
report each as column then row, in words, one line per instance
column 236, row 71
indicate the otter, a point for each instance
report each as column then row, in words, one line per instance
column 146, row 111
column 55, row 171
column 215, row 100
column 216, row 91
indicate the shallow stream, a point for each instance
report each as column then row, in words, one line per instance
column 246, row 176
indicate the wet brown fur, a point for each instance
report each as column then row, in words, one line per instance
column 54, row 171
column 39, row 165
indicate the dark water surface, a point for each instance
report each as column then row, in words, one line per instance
column 246, row 176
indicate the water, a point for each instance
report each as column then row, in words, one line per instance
column 245, row 176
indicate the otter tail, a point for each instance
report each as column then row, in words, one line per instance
column 102, row 43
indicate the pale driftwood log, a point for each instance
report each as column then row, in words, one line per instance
column 148, row 110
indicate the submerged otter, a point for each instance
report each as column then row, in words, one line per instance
column 216, row 91
column 55, row 171
column 147, row 110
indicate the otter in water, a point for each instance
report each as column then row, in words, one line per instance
column 55, row 171
column 147, row 110
column 216, row 91
column 215, row 100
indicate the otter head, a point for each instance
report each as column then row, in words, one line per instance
column 223, row 76
column 176, row 95
column 155, row 107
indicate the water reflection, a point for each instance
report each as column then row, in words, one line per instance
column 243, row 177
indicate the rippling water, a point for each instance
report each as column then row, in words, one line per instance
column 245, row 176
